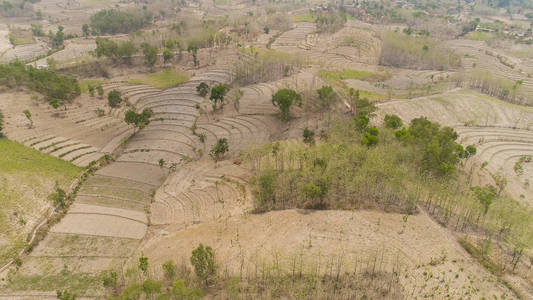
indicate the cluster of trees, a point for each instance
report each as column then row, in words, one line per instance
column 138, row 120
column 45, row 81
column 298, row 278
column 122, row 51
column 113, row 21
column 330, row 21
column 218, row 94
column 267, row 65
column 438, row 150
column 117, row 51
column 500, row 88
column 350, row 169
column 401, row 50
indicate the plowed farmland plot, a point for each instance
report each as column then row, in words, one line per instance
column 109, row 217
column 432, row 263
column 502, row 132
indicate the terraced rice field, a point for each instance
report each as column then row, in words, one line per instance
column 502, row 132
column 198, row 192
column 24, row 52
column 113, row 204
column 75, row 134
column 478, row 58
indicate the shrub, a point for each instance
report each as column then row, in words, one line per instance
column 202, row 89
column 309, row 136
column 219, row 149
column 138, row 120
column 393, row 121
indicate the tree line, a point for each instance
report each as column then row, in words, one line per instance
column 45, row 81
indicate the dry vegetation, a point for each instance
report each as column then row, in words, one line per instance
column 304, row 146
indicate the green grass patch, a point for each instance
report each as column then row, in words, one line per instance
column 17, row 158
column 354, row 74
column 335, row 79
column 27, row 177
column 478, row 36
column 308, row 17
column 162, row 80
column 78, row 283
column 20, row 37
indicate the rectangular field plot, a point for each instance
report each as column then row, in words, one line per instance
column 77, row 245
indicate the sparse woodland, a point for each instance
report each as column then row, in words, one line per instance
column 184, row 122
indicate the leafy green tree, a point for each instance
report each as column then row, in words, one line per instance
column 370, row 138
column 100, row 90
column 138, row 120
column 485, row 196
column 27, row 114
column 309, row 136
column 113, row 98
column 150, row 54
column 203, row 262
column 470, row 151
column 315, row 194
column 59, row 37
column 169, row 270
column 284, row 99
column 132, row 291
column 202, row 89
column 266, row 29
column 167, row 55
column 217, row 94
column 90, row 88
column 85, row 30
column 440, row 153
column 326, row 95
column 193, row 49
column 59, row 198
column 151, row 287
column 219, row 149
column 361, row 122
column 125, row 51
column 393, row 121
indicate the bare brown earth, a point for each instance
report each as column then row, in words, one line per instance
column 432, row 263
